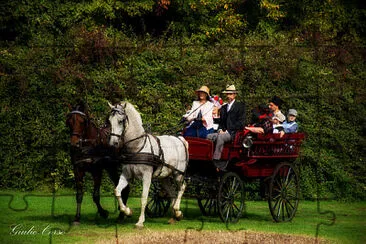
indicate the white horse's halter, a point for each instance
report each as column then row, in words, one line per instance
column 121, row 112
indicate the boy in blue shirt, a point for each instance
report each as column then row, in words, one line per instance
column 290, row 126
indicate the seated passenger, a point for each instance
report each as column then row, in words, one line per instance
column 261, row 123
column 277, row 125
column 232, row 118
column 200, row 116
column 290, row 126
column 275, row 105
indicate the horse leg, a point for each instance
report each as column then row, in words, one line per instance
column 79, row 182
column 125, row 192
column 97, row 179
column 122, row 184
column 176, row 203
column 146, row 182
column 113, row 175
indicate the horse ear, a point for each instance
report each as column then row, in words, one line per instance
column 110, row 105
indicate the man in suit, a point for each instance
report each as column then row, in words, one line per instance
column 232, row 119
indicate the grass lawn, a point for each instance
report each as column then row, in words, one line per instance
column 42, row 218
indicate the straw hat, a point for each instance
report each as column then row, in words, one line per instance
column 204, row 89
column 230, row 89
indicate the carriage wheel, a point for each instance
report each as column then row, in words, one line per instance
column 158, row 201
column 231, row 198
column 207, row 202
column 284, row 189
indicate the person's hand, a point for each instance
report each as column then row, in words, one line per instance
column 182, row 120
column 222, row 131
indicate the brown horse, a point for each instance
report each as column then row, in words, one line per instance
column 90, row 153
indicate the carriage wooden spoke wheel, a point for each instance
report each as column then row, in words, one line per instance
column 207, row 199
column 231, row 198
column 283, row 197
column 158, row 201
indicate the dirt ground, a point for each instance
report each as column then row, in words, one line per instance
column 209, row 237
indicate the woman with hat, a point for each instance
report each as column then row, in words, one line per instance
column 200, row 117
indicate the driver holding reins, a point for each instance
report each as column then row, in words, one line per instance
column 232, row 119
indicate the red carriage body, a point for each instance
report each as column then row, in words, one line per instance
column 257, row 160
column 267, row 158
column 250, row 156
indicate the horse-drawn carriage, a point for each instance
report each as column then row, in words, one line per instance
column 250, row 156
column 184, row 160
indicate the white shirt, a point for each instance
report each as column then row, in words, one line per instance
column 206, row 111
column 229, row 105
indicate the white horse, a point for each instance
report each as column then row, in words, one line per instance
column 147, row 156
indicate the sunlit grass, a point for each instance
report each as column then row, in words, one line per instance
column 335, row 221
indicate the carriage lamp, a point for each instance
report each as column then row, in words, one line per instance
column 247, row 142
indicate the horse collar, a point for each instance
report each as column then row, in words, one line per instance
column 137, row 138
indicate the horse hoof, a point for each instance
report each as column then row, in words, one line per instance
column 120, row 218
column 76, row 223
column 179, row 216
column 129, row 212
column 139, row 226
column 172, row 221
column 104, row 214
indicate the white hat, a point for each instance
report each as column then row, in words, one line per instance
column 230, row 89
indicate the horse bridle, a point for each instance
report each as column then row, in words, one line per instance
column 73, row 133
column 121, row 112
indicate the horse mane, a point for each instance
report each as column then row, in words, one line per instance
column 134, row 116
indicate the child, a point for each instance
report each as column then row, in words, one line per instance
column 277, row 125
column 290, row 126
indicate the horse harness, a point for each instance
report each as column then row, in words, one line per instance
column 100, row 132
column 86, row 149
column 148, row 158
